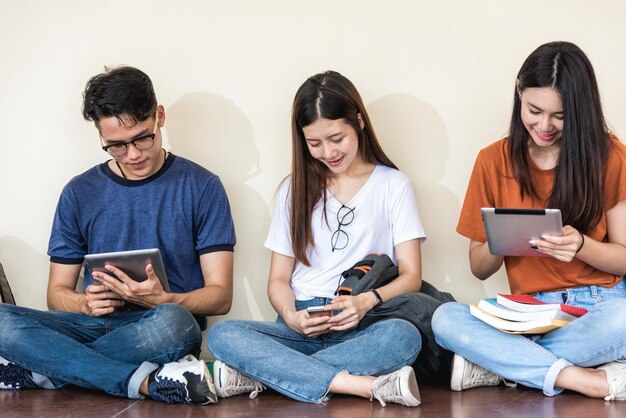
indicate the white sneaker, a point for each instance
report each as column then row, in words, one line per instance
column 467, row 375
column 397, row 387
column 616, row 376
column 229, row 382
column 185, row 381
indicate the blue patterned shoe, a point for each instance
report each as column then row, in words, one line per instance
column 13, row 377
column 184, row 381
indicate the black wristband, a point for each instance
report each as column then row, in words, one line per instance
column 379, row 300
column 582, row 237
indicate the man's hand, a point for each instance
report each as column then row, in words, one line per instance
column 99, row 300
column 148, row 293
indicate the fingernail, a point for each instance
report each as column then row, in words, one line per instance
column 541, row 237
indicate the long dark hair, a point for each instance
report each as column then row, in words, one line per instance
column 579, row 172
column 327, row 95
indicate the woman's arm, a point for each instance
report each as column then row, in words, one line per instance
column 409, row 280
column 482, row 263
column 282, row 298
column 605, row 256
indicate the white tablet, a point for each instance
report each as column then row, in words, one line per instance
column 509, row 230
column 133, row 263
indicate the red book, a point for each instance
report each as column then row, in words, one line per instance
column 526, row 303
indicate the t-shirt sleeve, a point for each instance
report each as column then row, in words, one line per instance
column 478, row 195
column 67, row 245
column 405, row 217
column 279, row 235
column 214, row 223
column 615, row 187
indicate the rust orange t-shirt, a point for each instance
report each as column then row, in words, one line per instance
column 492, row 185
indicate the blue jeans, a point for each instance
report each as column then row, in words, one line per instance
column 535, row 361
column 114, row 353
column 302, row 367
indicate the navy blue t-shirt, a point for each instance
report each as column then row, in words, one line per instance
column 182, row 209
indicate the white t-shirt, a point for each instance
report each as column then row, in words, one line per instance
column 385, row 215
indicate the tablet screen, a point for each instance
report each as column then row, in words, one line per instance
column 133, row 263
column 509, row 229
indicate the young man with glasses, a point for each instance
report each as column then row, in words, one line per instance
column 128, row 338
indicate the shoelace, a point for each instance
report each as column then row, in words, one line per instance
column 243, row 384
column 617, row 383
column 384, row 389
column 480, row 376
column 614, row 395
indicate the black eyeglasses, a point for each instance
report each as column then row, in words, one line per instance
column 142, row 143
column 340, row 239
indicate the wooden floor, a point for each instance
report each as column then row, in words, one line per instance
column 436, row 402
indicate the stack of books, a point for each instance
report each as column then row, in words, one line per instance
column 523, row 314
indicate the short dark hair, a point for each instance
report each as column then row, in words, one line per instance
column 123, row 92
column 579, row 173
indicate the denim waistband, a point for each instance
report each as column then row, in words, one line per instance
column 584, row 296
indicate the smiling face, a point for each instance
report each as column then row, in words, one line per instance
column 542, row 115
column 333, row 142
column 137, row 164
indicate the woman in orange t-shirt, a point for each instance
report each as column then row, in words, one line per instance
column 559, row 154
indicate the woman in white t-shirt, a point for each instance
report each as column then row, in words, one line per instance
column 344, row 199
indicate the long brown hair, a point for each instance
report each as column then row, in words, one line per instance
column 579, row 172
column 327, row 95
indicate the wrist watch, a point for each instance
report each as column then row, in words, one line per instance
column 379, row 300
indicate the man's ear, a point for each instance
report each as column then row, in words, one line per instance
column 161, row 113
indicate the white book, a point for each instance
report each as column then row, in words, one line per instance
column 490, row 305
column 536, row 326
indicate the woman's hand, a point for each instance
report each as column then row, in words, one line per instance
column 564, row 247
column 304, row 323
column 353, row 309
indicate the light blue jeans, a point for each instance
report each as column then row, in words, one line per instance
column 114, row 353
column 302, row 367
column 596, row 338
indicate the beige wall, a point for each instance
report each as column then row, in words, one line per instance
column 437, row 78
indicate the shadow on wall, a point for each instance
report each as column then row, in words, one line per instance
column 414, row 136
column 211, row 131
column 27, row 272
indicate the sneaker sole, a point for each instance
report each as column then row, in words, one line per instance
column 456, row 378
column 413, row 395
column 218, row 376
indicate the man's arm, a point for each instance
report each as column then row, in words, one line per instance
column 62, row 294
column 215, row 298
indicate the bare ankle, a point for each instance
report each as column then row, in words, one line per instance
column 588, row 381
